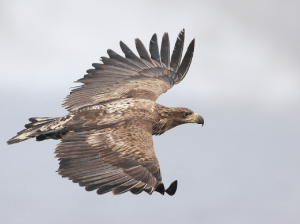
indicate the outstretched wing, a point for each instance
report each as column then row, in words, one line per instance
column 144, row 77
column 117, row 158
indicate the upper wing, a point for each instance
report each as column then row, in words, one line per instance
column 146, row 77
column 117, row 158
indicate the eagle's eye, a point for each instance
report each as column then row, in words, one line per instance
column 185, row 114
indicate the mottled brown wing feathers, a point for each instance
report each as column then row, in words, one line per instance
column 118, row 158
column 144, row 77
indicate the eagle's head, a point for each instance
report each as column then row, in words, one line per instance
column 183, row 115
column 172, row 117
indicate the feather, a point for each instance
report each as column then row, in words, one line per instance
column 138, row 188
column 96, row 185
column 143, row 52
column 100, row 178
column 160, row 188
column 177, row 52
column 186, row 62
column 154, row 51
column 172, row 188
column 119, row 58
column 111, row 185
column 125, row 187
column 117, row 64
column 130, row 55
column 165, row 50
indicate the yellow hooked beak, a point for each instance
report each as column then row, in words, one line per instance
column 195, row 118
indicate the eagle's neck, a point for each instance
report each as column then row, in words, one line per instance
column 163, row 125
column 165, row 120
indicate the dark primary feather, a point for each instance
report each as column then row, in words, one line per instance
column 130, row 55
column 177, row 52
column 186, row 62
column 154, row 50
column 172, row 188
column 143, row 52
column 165, row 50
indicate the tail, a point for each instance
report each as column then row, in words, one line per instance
column 41, row 128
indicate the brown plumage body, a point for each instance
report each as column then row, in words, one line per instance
column 106, row 139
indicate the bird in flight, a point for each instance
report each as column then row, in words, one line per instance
column 106, row 139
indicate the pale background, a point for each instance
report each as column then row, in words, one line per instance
column 241, row 167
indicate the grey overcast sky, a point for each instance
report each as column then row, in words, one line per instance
column 241, row 167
